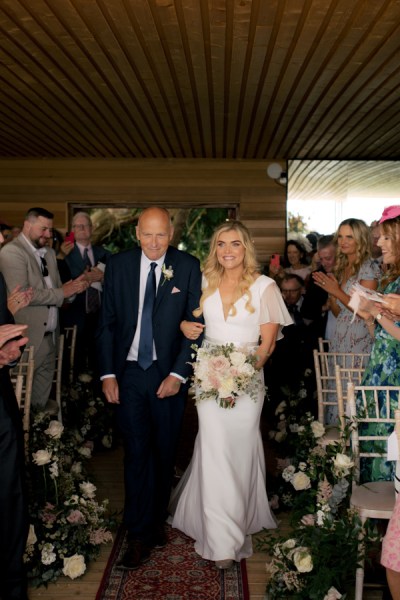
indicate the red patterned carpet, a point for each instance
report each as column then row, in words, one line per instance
column 175, row 572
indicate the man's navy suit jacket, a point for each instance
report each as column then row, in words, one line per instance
column 175, row 301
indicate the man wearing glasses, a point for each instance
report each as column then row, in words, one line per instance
column 84, row 310
column 28, row 262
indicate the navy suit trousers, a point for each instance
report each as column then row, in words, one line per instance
column 150, row 428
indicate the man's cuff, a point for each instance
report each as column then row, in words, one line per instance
column 182, row 379
column 108, row 376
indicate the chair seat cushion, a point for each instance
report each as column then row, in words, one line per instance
column 374, row 499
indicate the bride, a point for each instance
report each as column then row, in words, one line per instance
column 221, row 499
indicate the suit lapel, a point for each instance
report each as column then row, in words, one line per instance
column 31, row 256
column 165, row 286
column 133, row 284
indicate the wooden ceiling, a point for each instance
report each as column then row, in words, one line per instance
column 248, row 79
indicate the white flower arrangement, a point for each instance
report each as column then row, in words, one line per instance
column 222, row 373
column 67, row 523
column 167, row 273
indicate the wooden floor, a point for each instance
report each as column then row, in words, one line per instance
column 108, row 477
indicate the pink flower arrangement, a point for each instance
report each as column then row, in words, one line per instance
column 224, row 372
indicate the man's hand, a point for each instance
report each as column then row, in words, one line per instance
column 10, row 351
column 19, row 299
column 94, row 275
column 67, row 247
column 111, row 390
column 169, row 387
column 75, row 286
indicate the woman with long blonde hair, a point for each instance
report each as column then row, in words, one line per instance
column 353, row 264
column 221, row 499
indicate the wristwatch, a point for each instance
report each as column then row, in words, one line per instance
column 378, row 317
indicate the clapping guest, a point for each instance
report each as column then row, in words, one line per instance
column 353, row 263
column 316, row 304
column 28, row 262
column 294, row 262
column 84, row 258
column 13, row 503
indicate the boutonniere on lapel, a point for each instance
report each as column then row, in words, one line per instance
column 168, row 273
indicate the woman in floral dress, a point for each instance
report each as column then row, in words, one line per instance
column 384, row 369
column 384, row 365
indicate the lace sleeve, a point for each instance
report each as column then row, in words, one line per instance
column 273, row 308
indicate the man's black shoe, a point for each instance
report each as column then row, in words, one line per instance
column 159, row 539
column 135, row 555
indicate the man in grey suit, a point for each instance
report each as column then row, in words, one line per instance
column 28, row 262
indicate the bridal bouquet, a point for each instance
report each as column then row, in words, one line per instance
column 223, row 372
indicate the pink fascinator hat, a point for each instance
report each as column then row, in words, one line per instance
column 390, row 212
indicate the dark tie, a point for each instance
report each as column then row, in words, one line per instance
column 145, row 354
column 92, row 295
column 43, row 266
column 295, row 313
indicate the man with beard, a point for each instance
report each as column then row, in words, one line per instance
column 27, row 261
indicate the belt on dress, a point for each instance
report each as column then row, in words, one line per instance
column 223, row 342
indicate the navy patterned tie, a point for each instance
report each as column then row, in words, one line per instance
column 145, row 354
column 92, row 295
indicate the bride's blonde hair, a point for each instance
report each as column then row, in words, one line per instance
column 213, row 271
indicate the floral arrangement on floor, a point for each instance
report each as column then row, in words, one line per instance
column 88, row 412
column 68, row 524
column 318, row 560
column 223, row 372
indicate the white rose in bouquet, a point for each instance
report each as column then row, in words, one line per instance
column 227, row 388
column 289, row 544
column 318, row 429
column 246, row 369
column 301, row 481
column 74, row 566
column 343, row 464
column 237, row 359
column 55, row 429
column 303, row 560
column 41, row 457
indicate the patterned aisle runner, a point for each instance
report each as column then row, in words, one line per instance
column 175, row 572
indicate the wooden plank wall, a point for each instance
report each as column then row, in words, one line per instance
column 57, row 183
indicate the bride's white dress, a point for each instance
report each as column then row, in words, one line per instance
column 221, row 499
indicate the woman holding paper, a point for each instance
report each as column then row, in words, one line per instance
column 384, row 369
column 384, row 365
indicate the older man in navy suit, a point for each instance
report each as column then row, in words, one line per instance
column 84, row 310
column 144, row 363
